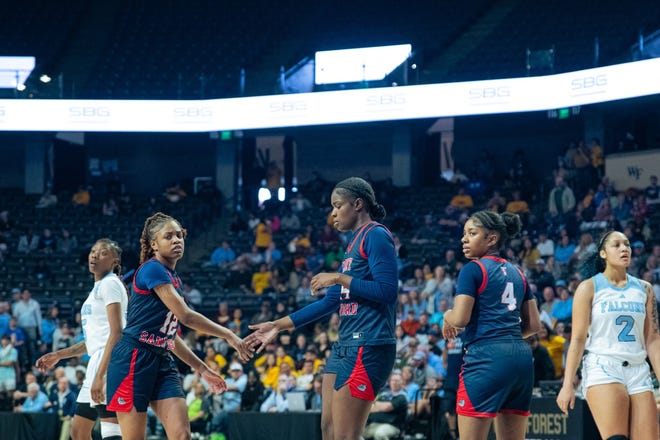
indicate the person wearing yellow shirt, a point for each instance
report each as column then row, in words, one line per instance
column 462, row 200
column 261, row 279
column 263, row 235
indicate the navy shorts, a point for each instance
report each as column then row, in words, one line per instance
column 365, row 369
column 497, row 377
column 138, row 375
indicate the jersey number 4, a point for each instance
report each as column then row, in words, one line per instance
column 508, row 297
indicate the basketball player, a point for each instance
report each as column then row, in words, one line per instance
column 103, row 316
column 495, row 310
column 365, row 292
column 615, row 327
column 142, row 371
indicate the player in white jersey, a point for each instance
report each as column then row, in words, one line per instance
column 103, row 317
column 615, row 328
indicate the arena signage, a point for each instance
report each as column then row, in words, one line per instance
column 603, row 84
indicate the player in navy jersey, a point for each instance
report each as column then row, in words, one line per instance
column 493, row 311
column 142, row 371
column 614, row 330
column 365, row 293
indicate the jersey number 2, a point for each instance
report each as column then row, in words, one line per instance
column 627, row 321
column 169, row 326
column 508, row 297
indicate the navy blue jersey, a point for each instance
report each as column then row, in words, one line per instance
column 499, row 289
column 368, row 308
column 148, row 320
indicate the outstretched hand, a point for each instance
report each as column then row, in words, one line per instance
column 217, row 384
column 263, row 334
column 46, row 362
column 245, row 352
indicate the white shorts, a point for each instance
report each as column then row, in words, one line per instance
column 598, row 370
column 7, row 385
column 84, row 395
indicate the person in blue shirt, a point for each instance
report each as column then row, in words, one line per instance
column 365, row 293
column 36, row 401
column 494, row 310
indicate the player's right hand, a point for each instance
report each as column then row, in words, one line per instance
column 46, row 362
column 263, row 333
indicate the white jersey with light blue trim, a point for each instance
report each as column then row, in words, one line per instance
column 95, row 324
column 617, row 320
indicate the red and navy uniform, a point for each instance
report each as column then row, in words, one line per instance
column 498, row 368
column 364, row 355
column 141, row 367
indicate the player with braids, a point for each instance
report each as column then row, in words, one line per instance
column 142, row 371
column 494, row 309
column 365, row 293
column 103, row 316
column 615, row 329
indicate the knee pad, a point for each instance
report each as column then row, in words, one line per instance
column 110, row 431
column 618, row 437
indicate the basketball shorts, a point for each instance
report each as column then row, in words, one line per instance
column 497, row 377
column 364, row 369
column 599, row 370
column 138, row 375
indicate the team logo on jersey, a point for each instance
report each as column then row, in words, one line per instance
column 121, row 401
column 461, row 403
column 503, row 269
column 362, row 387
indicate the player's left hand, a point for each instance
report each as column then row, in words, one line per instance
column 217, row 384
column 245, row 352
column 97, row 391
column 321, row 280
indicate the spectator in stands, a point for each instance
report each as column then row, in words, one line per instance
column 49, row 324
column 47, row 242
column 420, row 367
column 66, row 242
column 652, row 192
column 496, row 203
column 81, row 197
column 561, row 201
column 8, row 369
column 289, row 221
column 63, row 403
column 110, row 208
column 238, row 225
column 28, row 317
column 563, row 305
column 528, row 255
column 192, row 295
column 261, row 279
column 238, row 323
column 555, row 345
column 47, row 199
column 299, row 203
column 36, row 400
column 223, row 256
column 540, row 276
column 549, row 297
column 313, row 400
column 18, row 341
column 565, row 250
column 462, row 199
column 597, row 159
column 263, row 235
column 272, row 255
column 585, row 247
column 199, row 409
column 545, row 245
column 517, row 205
column 388, row 413
column 543, row 366
column 253, row 394
column 231, row 398
column 276, row 400
column 5, row 316
column 175, row 193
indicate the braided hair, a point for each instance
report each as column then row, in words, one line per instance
column 358, row 188
column 152, row 225
column 113, row 246
column 593, row 263
column 506, row 224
